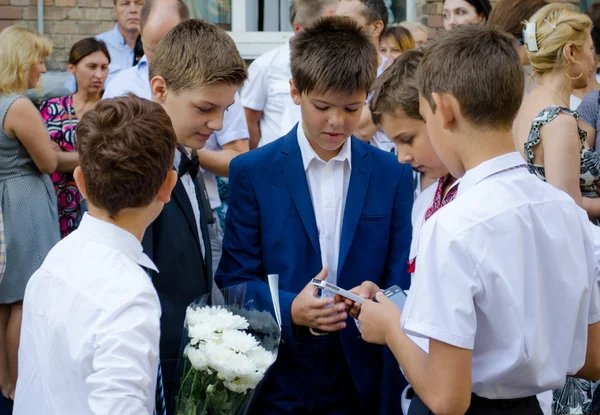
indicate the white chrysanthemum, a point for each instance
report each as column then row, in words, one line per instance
column 238, row 341
column 228, row 364
column 218, row 317
column 242, row 385
column 203, row 333
column 261, row 358
column 197, row 357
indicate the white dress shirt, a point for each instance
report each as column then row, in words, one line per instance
column 136, row 80
column 121, row 55
column 492, row 266
column 91, row 328
column 267, row 88
column 328, row 183
column 190, row 189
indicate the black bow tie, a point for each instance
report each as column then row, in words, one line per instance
column 187, row 165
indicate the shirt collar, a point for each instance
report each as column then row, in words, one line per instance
column 143, row 62
column 118, row 36
column 177, row 160
column 488, row 168
column 115, row 237
column 309, row 154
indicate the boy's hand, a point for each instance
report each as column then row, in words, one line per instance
column 366, row 290
column 318, row 313
column 378, row 320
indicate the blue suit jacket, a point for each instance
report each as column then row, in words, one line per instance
column 271, row 229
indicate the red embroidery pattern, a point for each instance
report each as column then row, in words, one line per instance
column 438, row 202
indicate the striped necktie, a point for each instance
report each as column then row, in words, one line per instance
column 160, row 405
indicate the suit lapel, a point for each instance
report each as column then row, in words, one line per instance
column 294, row 173
column 357, row 191
column 180, row 197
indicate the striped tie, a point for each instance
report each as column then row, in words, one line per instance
column 161, row 406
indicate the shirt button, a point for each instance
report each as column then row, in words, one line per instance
column 329, row 205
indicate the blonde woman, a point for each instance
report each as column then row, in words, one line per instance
column 394, row 42
column 28, row 200
column 419, row 32
column 548, row 133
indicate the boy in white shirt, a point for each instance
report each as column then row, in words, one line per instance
column 505, row 289
column 91, row 316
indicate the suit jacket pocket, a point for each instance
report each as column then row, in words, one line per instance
column 372, row 218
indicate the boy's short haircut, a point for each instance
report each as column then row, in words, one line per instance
column 334, row 55
column 309, row 11
column 195, row 54
column 126, row 148
column 396, row 89
column 374, row 10
column 480, row 67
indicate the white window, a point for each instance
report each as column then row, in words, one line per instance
column 258, row 26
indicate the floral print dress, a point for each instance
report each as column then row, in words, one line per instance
column 577, row 396
column 61, row 121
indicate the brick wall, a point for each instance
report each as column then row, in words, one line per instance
column 65, row 22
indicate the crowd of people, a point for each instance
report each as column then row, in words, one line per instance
column 170, row 169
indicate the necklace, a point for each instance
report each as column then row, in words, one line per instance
column 557, row 94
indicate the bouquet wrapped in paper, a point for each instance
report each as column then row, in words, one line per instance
column 230, row 345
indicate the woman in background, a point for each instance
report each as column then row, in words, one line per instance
column 88, row 62
column 28, row 201
column 462, row 12
column 419, row 32
column 394, row 42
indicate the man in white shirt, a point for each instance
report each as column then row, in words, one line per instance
column 91, row 316
column 505, row 290
column 268, row 86
column 157, row 18
column 120, row 40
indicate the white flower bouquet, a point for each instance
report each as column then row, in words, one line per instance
column 231, row 346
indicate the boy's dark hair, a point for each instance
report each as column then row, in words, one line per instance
column 126, row 148
column 375, row 10
column 396, row 89
column 85, row 47
column 489, row 94
column 509, row 15
column 333, row 55
column 182, row 8
column 194, row 54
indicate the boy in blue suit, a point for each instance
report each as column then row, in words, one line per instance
column 318, row 202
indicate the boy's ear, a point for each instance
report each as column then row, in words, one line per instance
column 376, row 29
column 158, row 86
column 445, row 108
column 78, row 176
column 164, row 193
column 294, row 92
